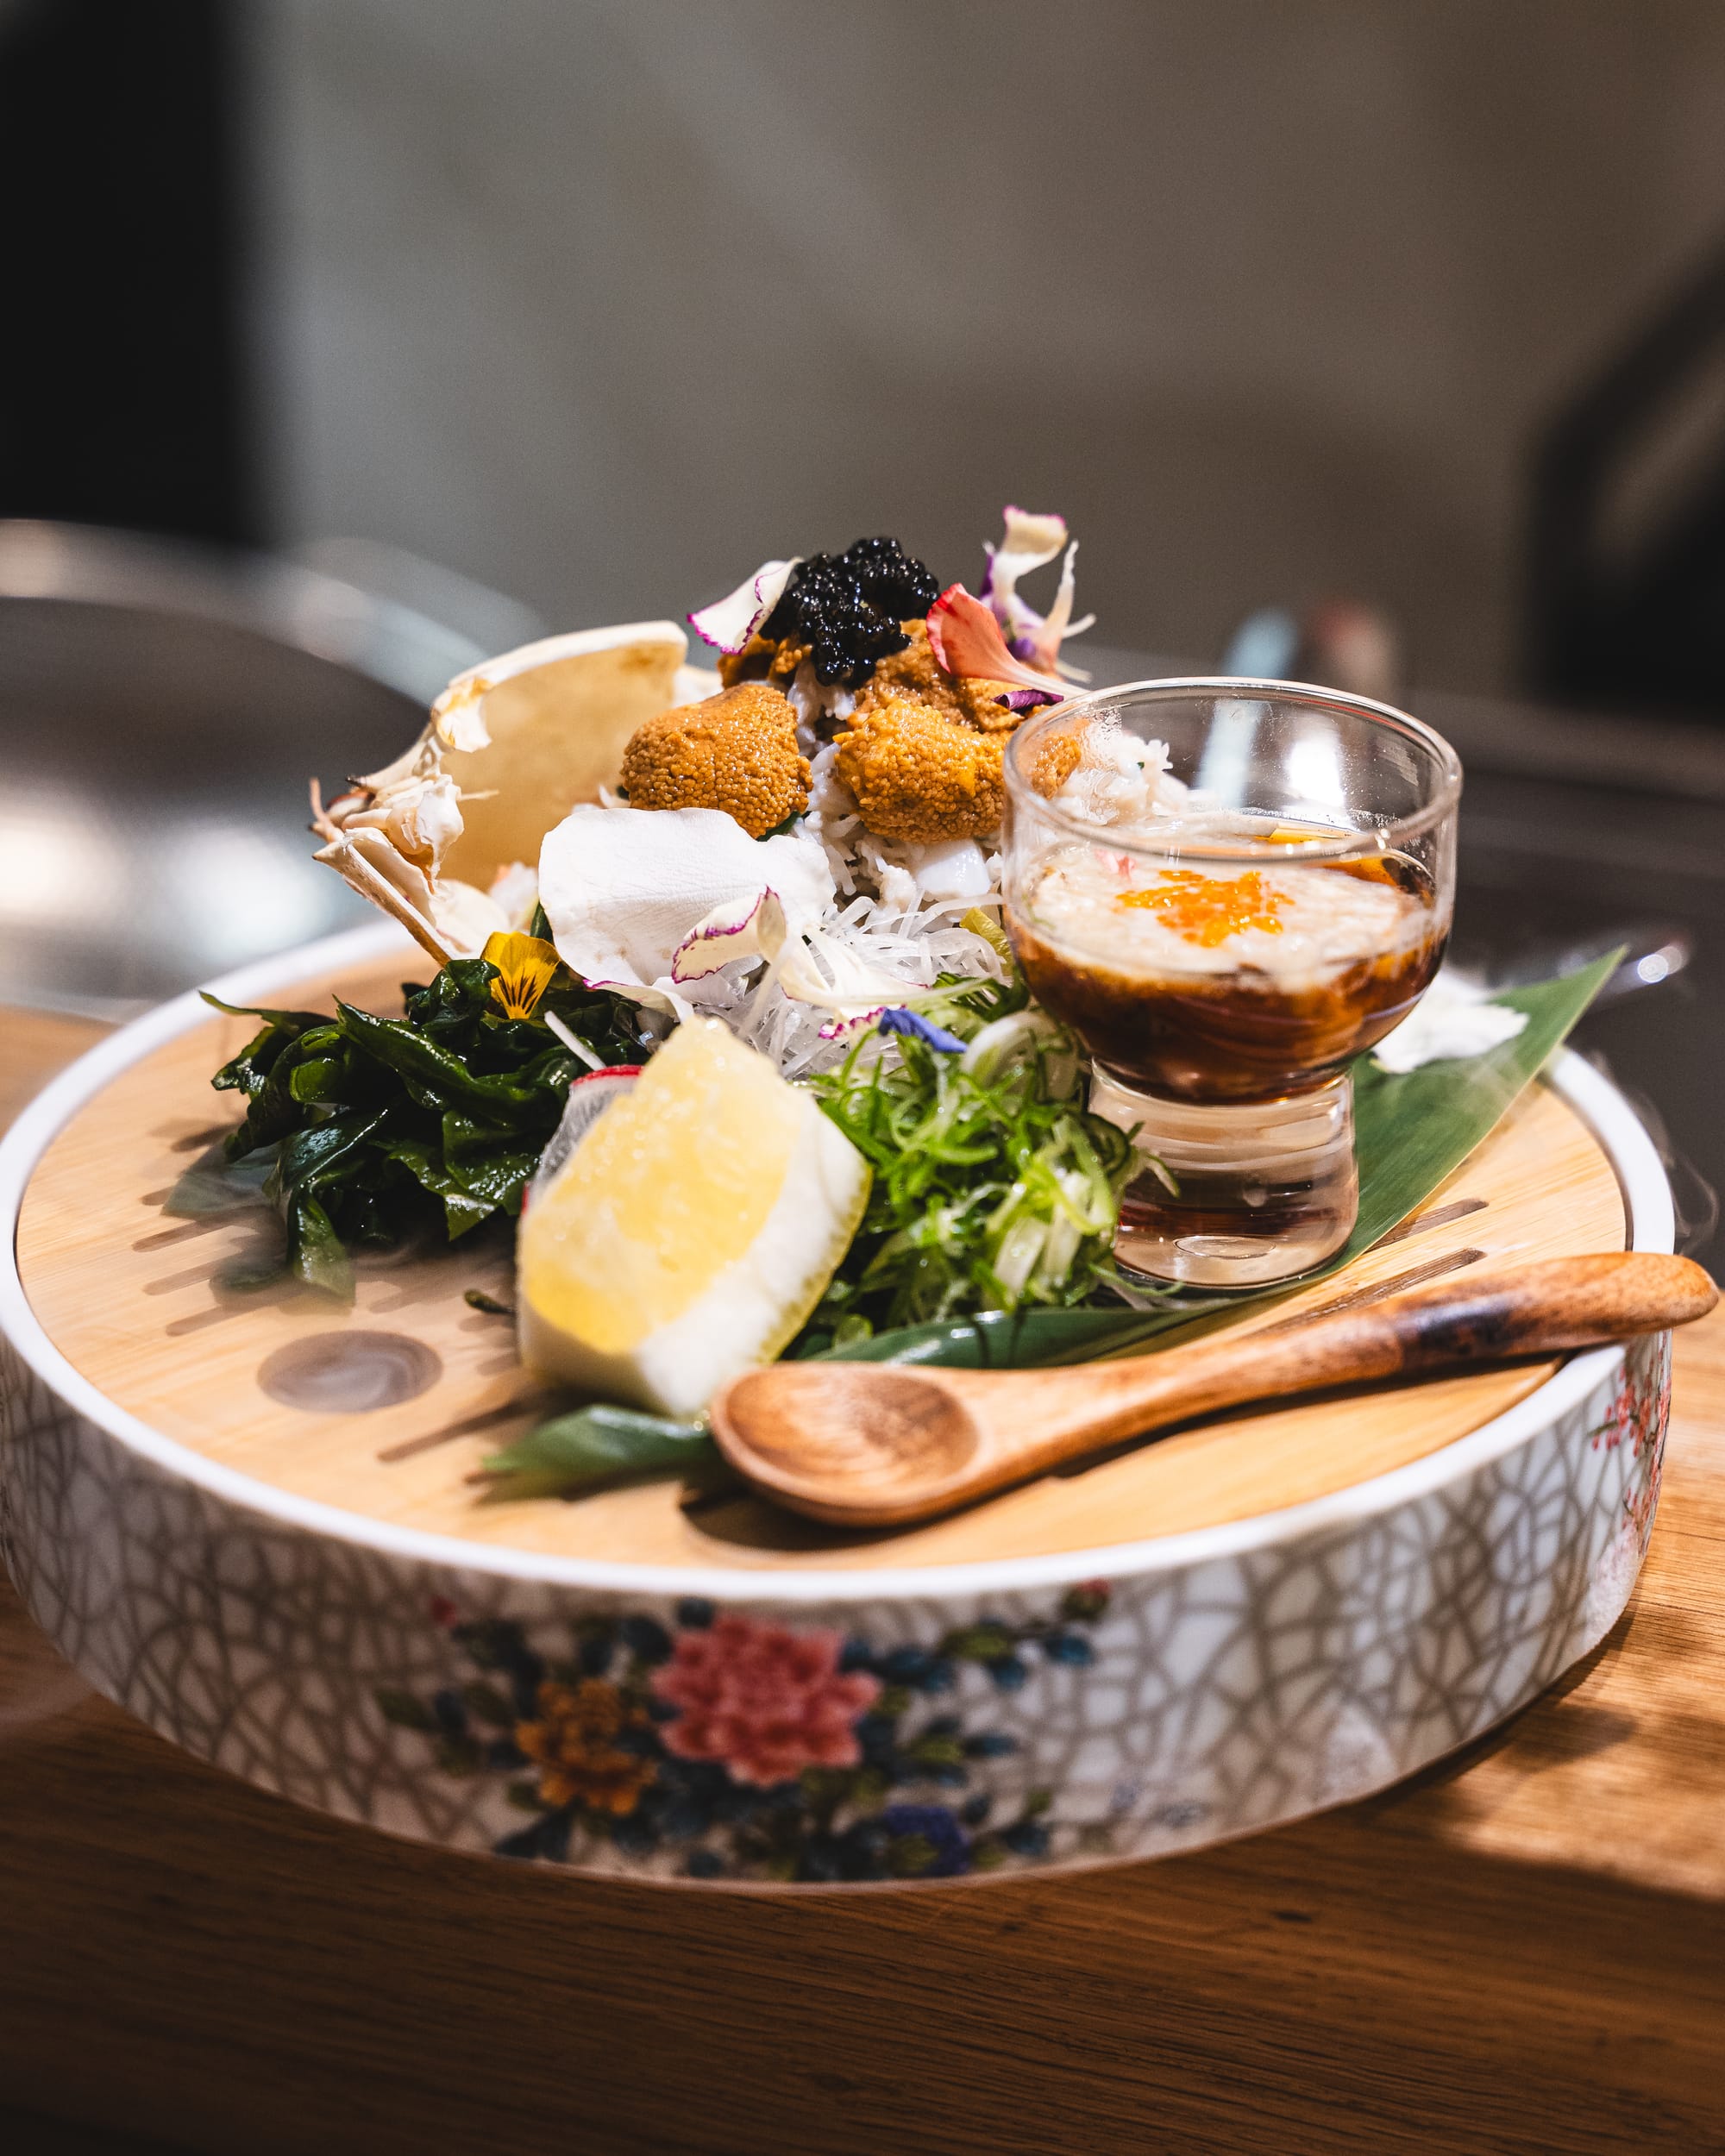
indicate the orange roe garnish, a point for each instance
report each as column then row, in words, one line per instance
column 1208, row 909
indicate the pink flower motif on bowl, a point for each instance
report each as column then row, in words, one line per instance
column 763, row 1700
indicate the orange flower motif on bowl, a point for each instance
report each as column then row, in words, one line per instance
column 574, row 1743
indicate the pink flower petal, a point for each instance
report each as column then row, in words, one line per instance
column 764, row 1701
column 966, row 641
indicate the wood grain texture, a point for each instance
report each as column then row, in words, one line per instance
column 1522, row 1953
column 34, row 1045
column 134, row 1298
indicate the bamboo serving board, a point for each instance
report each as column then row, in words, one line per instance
column 136, row 1300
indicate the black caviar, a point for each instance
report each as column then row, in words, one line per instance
column 847, row 608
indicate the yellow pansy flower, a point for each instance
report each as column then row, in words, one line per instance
column 525, row 968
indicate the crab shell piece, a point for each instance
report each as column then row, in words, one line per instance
column 527, row 736
column 450, row 919
column 511, row 746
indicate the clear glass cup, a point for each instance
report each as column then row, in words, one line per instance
column 1225, row 953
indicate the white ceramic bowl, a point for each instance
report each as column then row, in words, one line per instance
column 801, row 1727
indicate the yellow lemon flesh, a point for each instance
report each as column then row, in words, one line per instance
column 692, row 1231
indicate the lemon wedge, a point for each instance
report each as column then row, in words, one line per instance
column 692, row 1231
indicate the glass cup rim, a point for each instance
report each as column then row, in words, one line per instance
column 1246, row 688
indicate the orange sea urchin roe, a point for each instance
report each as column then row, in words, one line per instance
column 1208, row 909
column 920, row 774
column 736, row 751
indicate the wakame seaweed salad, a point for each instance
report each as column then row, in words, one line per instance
column 367, row 1129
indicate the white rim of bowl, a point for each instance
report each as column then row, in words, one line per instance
column 1246, row 688
column 1647, row 1198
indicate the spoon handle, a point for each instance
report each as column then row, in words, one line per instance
column 1036, row 1421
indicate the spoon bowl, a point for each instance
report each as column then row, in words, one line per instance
column 842, row 1435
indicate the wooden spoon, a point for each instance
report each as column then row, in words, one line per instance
column 874, row 1444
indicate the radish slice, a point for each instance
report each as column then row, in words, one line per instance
column 758, row 931
column 731, row 621
column 589, row 1098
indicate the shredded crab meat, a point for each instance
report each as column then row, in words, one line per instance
column 905, row 951
column 865, row 953
column 819, row 708
column 386, row 839
column 1118, row 778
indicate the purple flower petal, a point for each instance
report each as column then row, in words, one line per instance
column 900, row 1020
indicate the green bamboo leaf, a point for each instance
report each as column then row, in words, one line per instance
column 594, row 1443
column 1411, row 1132
column 1022, row 1340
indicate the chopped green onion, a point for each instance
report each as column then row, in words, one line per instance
column 995, row 1189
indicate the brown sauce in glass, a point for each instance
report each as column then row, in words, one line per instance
column 1239, row 1035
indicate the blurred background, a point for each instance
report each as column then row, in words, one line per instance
column 594, row 300
column 1378, row 345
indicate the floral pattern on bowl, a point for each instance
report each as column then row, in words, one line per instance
column 756, row 1750
column 1639, row 1410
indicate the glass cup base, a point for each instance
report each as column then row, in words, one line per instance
column 1264, row 1191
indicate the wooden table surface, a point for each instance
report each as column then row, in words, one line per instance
column 1523, row 1951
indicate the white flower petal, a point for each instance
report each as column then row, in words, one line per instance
column 623, row 888
column 516, row 888
column 1452, row 1021
column 1032, row 541
column 466, row 918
